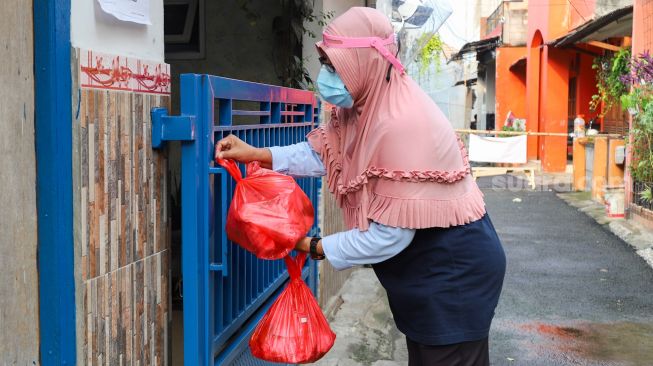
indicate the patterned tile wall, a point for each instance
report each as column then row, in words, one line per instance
column 122, row 228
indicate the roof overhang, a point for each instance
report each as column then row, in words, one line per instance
column 476, row 47
column 468, row 82
column 617, row 23
column 520, row 64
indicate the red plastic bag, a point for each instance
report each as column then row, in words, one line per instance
column 269, row 212
column 294, row 330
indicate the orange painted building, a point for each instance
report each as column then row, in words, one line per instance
column 544, row 83
column 511, row 83
column 560, row 81
column 541, row 69
column 501, row 54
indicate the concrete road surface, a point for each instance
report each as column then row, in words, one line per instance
column 574, row 293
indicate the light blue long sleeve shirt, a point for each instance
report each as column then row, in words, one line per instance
column 348, row 248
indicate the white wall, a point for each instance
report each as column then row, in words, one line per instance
column 91, row 28
column 491, row 86
column 481, row 102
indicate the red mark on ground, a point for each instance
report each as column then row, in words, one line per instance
column 553, row 330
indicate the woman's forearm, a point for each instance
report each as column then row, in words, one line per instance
column 297, row 160
column 264, row 156
column 354, row 247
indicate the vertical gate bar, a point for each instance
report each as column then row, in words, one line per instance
column 248, row 256
column 206, row 158
column 195, row 350
column 261, row 269
column 224, row 209
column 225, row 116
column 271, row 142
column 225, row 260
column 254, row 277
column 241, row 255
column 251, row 292
column 235, row 277
column 242, row 259
column 54, row 197
column 229, row 280
column 279, row 142
column 282, row 109
column 264, row 106
column 237, row 268
column 309, row 113
column 275, row 112
column 300, row 108
column 252, row 262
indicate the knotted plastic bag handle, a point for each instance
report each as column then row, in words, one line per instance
column 231, row 167
column 295, row 265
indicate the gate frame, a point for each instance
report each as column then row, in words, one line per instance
column 54, row 182
column 199, row 94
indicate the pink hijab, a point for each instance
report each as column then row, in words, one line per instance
column 392, row 158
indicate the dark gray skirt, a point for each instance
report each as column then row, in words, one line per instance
column 443, row 288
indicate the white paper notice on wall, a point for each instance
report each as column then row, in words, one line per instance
column 135, row 11
column 497, row 149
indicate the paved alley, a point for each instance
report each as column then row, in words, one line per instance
column 574, row 294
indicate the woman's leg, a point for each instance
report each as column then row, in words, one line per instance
column 414, row 354
column 473, row 353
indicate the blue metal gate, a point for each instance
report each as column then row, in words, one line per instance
column 226, row 289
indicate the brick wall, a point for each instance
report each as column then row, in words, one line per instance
column 643, row 26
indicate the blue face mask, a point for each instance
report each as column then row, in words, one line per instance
column 332, row 89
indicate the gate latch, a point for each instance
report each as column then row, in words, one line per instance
column 170, row 128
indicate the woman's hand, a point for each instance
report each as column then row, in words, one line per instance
column 304, row 245
column 231, row 147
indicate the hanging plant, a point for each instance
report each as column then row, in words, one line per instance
column 639, row 80
column 641, row 167
column 609, row 71
column 431, row 52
